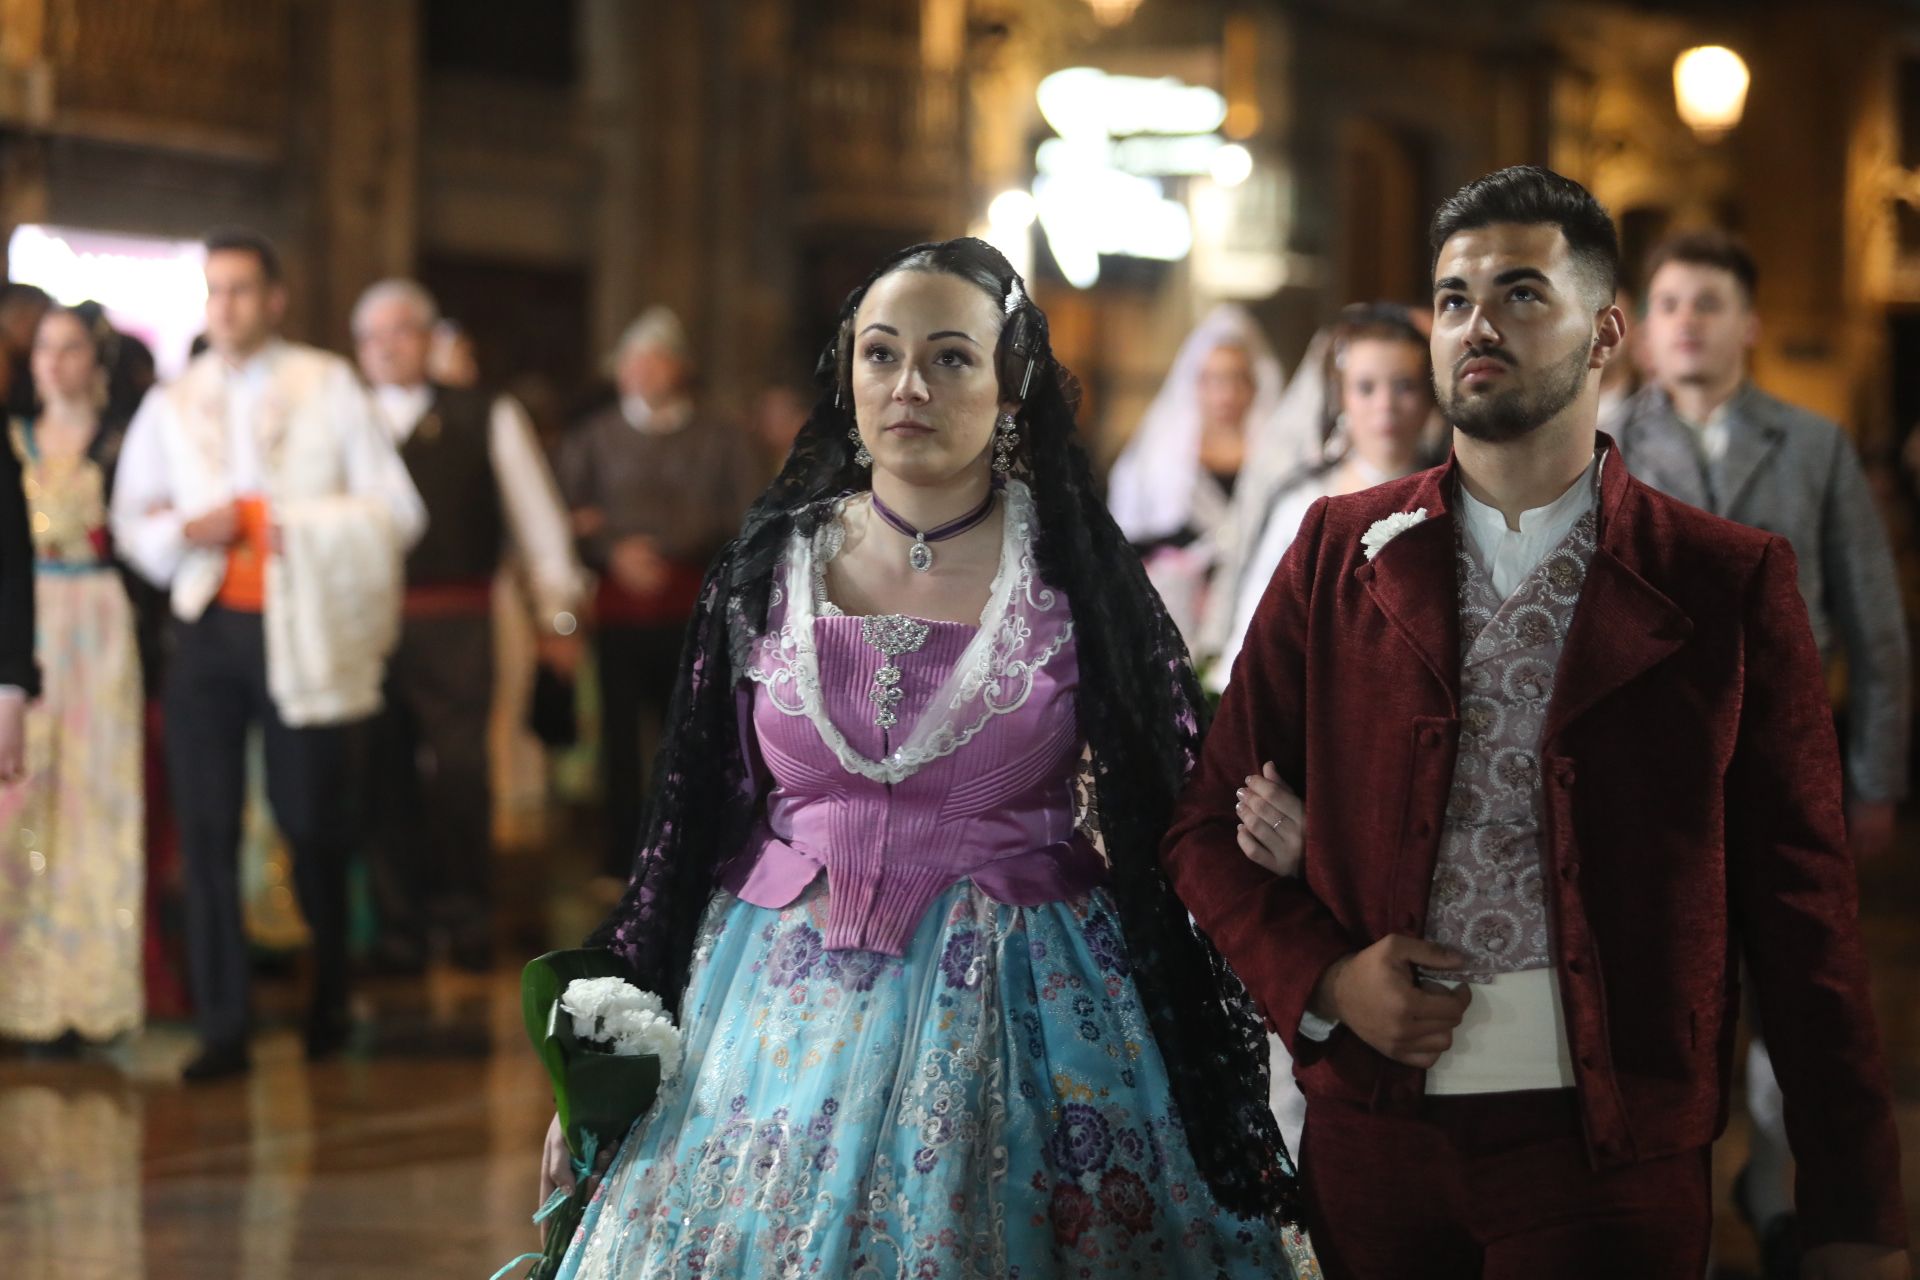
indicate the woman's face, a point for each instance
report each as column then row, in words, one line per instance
column 1226, row 387
column 1386, row 397
column 925, row 391
column 63, row 358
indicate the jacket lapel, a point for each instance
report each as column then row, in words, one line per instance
column 1623, row 626
column 1665, row 453
column 1751, row 440
column 1412, row 581
column 200, row 407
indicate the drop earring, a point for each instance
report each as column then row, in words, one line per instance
column 1004, row 442
column 861, row 457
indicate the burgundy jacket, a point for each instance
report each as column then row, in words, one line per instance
column 1693, row 818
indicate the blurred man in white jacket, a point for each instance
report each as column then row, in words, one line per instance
column 254, row 432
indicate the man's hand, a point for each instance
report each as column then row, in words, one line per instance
column 217, row 528
column 1375, row 995
column 560, row 654
column 1855, row 1262
column 1869, row 828
column 13, row 736
column 638, row 566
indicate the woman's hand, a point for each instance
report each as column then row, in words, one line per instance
column 13, row 736
column 1273, row 823
column 556, row 1163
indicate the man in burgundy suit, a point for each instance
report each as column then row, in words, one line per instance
column 1568, row 757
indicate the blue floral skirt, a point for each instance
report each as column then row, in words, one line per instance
column 990, row 1105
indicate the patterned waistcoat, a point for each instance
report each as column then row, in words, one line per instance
column 1488, row 900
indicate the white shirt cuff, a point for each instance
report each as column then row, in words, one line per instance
column 1315, row 1027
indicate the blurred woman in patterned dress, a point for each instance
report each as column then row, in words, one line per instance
column 71, row 836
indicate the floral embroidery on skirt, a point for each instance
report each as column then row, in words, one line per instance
column 990, row 1105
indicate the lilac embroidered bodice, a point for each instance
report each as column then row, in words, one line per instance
column 905, row 755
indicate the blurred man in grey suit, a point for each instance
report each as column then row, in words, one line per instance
column 1703, row 432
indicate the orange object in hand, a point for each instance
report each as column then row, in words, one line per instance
column 245, row 586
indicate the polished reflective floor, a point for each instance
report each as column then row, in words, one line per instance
column 414, row 1155
column 415, row 1158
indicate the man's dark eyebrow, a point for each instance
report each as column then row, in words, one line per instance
column 884, row 328
column 949, row 333
column 1511, row 275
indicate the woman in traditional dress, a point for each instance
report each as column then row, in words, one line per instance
column 943, row 1015
column 1172, row 486
column 1378, row 405
column 72, row 861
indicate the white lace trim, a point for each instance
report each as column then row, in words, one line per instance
column 994, row 676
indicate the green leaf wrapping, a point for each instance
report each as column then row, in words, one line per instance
column 596, row 1092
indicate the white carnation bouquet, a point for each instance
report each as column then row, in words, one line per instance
column 607, row 1046
column 614, row 1016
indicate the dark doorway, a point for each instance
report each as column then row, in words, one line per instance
column 1381, row 248
column 529, row 327
column 507, row 38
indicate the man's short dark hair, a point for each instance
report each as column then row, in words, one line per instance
column 1708, row 248
column 243, row 240
column 1532, row 196
column 18, row 293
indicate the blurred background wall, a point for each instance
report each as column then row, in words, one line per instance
column 549, row 168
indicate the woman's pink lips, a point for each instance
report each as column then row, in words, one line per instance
column 910, row 428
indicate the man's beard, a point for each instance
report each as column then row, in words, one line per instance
column 1509, row 415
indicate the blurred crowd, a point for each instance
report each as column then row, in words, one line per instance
column 268, row 588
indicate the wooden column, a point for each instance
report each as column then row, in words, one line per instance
column 366, row 217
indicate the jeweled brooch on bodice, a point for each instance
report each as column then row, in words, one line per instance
column 893, row 635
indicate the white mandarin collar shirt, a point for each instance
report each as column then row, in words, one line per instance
column 247, row 385
column 401, row 409
column 1511, row 554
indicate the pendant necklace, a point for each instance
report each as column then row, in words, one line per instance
column 920, row 554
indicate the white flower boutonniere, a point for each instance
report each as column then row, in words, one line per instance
column 1381, row 532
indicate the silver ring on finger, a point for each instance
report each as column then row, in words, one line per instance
column 1275, row 822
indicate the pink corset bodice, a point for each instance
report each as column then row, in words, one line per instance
column 904, row 756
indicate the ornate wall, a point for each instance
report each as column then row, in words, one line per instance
column 735, row 159
column 744, row 160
